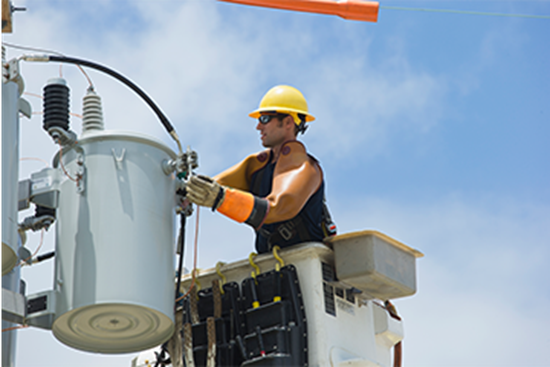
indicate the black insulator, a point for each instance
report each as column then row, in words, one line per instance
column 40, row 211
column 56, row 105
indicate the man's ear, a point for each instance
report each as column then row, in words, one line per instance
column 289, row 122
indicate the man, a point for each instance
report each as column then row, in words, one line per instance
column 280, row 191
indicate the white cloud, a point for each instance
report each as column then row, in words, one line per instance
column 359, row 105
column 482, row 324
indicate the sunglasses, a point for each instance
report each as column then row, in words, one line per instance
column 265, row 119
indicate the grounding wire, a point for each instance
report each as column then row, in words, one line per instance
column 181, row 247
column 466, row 12
column 28, row 48
column 15, row 328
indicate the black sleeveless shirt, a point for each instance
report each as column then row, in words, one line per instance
column 306, row 226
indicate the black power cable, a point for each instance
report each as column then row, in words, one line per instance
column 181, row 247
column 71, row 60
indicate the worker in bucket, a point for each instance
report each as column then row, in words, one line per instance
column 279, row 191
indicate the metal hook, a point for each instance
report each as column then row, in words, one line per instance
column 280, row 260
column 253, row 264
column 223, row 278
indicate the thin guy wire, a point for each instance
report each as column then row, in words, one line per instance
column 466, row 12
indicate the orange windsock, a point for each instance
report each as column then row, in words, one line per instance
column 347, row 9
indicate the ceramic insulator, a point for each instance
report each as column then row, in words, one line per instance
column 92, row 112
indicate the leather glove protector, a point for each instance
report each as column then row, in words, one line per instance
column 204, row 191
column 238, row 205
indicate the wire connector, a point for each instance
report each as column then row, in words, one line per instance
column 36, row 58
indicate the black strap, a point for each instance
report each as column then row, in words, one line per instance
column 286, row 231
column 259, row 211
column 220, row 196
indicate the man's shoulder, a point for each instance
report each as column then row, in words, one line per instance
column 293, row 156
column 260, row 157
column 298, row 152
column 256, row 161
column 238, row 176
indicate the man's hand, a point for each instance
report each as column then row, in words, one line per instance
column 204, row 191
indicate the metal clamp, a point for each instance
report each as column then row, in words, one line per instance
column 183, row 164
column 80, row 172
column 285, row 230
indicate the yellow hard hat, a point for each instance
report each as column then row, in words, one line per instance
column 284, row 99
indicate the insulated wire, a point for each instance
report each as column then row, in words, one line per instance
column 51, row 52
column 33, row 95
column 466, row 12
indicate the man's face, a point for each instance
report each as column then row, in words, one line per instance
column 274, row 132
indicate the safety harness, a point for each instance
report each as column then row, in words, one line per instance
column 294, row 230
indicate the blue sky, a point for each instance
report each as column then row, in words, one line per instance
column 431, row 128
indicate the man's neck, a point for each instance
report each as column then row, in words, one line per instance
column 276, row 150
column 275, row 153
